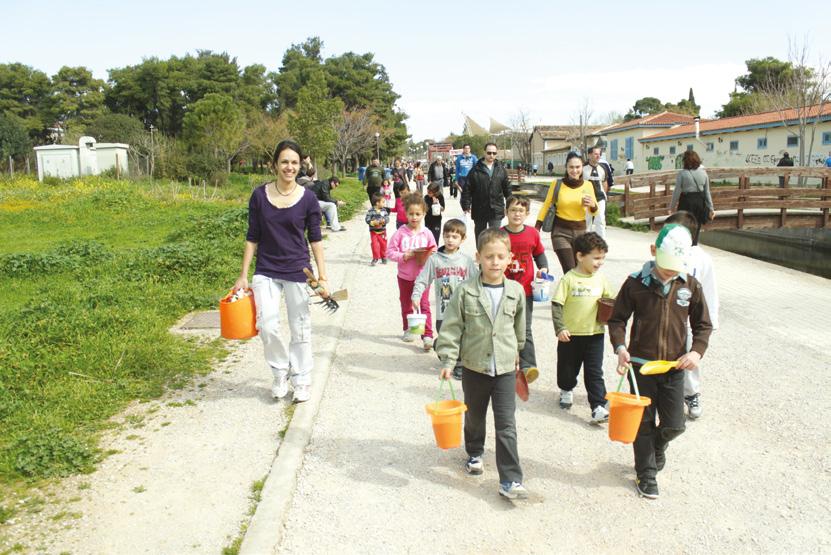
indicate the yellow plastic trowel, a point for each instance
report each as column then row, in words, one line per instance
column 657, row 367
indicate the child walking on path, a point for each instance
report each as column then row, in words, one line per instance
column 484, row 325
column 400, row 249
column 434, row 199
column 579, row 334
column 660, row 298
column 526, row 250
column 400, row 211
column 377, row 218
column 700, row 265
column 446, row 269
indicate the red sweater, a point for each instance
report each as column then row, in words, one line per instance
column 525, row 245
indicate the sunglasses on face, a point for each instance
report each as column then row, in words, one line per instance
column 491, row 153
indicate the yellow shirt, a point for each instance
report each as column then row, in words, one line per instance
column 578, row 294
column 569, row 202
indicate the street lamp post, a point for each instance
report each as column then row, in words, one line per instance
column 377, row 146
column 152, row 153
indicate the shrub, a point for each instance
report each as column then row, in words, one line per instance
column 51, row 453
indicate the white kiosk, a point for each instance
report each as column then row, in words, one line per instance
column 88, row 158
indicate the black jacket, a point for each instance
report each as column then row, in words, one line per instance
column 485, row 195
column 322, row 190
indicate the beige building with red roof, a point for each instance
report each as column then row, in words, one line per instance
column 551, row 143
column 756, row 140
column 623, row 140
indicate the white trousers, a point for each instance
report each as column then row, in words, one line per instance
column 330, row 210
column 692, row 378
column 297, row 360
column 598, row 219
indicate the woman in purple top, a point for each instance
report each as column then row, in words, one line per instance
column 282, row 215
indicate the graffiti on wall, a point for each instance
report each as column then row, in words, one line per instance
column 761, row 159
column 654, row 162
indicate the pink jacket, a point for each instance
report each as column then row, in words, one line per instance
column 403, row 240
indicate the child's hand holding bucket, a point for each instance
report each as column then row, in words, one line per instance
column 623, row 361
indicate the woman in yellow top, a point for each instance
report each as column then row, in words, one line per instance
column 574, row 198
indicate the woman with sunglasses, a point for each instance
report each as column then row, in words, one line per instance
column 574, row 198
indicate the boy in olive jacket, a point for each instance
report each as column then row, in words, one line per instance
column 660, row 298
column 484, row 326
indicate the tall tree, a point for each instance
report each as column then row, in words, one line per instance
column 14, row 139
column 355, row 131
column 313, row 121
column 644, row 107
column 760, row 72
column 300, row 63
column 799, row 96
column 24, row 92
column 77, row 97
column 215, row 126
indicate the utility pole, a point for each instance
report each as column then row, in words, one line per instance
column 152, row 153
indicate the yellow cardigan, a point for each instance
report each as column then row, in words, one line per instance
column 569, row 202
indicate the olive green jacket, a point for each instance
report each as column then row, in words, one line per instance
column 468, row 332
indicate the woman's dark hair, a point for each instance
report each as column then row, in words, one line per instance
column 283, row 145
column 691, row 160
column 571, row 155
column 434, row 188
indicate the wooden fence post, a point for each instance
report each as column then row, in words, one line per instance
column 743, row 180
column 627, row 197
column 11, row 166
column 824, row 221
column 652, row 206
column 783, row 213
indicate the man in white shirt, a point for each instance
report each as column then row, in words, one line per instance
column 600, row 175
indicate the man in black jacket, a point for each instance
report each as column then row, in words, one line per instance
column 328, row 205
column 483, row 199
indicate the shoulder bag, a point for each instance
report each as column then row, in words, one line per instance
column 548, row 221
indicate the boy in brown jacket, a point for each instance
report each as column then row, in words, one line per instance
column 660, row 298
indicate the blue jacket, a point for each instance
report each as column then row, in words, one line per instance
column 464, row 164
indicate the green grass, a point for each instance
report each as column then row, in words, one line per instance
column 95, row 271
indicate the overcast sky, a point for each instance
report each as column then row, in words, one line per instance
column 486, row 58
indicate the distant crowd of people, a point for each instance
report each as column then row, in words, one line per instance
column 483, row 306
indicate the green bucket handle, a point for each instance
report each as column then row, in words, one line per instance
column 634, row 381
column 441, row 384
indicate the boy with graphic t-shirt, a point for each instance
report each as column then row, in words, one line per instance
column 579, row 334
column 526, row 250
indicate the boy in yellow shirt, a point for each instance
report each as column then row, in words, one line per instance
column 579, row 335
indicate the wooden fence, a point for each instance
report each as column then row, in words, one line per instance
column 741, row 205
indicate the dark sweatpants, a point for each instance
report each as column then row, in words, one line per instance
column 585, row 351
column 667, row 394
column 500, row 392
column 528, row 356
column 481, row 225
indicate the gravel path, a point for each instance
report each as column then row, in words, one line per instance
column 752, row 475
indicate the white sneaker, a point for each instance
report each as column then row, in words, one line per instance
column 302, row 393
column 428, row 343
column 280, row 386
column 693, row 405
column 513, row 490
column 408, row 337
column 566, row 399
column 600, row 414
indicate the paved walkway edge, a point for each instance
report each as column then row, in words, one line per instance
column 265, row 530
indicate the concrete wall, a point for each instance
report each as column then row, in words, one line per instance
column 715, row 150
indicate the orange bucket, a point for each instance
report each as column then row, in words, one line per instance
column 237, row 319
column 625, row 415
column 446, row 417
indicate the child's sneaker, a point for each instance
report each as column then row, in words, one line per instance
column 428, row 343
column 566, row 399
column 600, row 414
column 474, row 466
column 280, row 387
column 693, row 405
column 302, row 393
column 512, row 490
column 408, row 337
column 531, row 374
column 383, row 261
column 647, row 487
column 374, row 262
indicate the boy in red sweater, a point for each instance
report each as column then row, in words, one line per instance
column 526, row 250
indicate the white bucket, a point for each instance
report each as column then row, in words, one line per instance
column 416, row 323
column 541, row 290
column 436, row 209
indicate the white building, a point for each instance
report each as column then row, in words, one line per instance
column 88, row 158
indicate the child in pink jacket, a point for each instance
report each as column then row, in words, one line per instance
column 400, row 249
